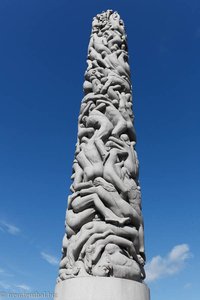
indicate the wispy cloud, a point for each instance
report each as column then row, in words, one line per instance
column 169, row 265
column 12, row 287
column 4, row 273
column 23, row 287
column 9, row 228
column 50, row 258
column 4, row 285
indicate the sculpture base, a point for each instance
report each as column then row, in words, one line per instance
column 101, row 288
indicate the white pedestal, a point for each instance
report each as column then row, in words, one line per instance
column 101, row 288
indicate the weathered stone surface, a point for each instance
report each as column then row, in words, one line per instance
column 99, row 288
column 104, row 225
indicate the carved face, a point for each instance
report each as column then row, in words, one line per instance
column 102, row 270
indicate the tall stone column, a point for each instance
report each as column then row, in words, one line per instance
column 103, row 247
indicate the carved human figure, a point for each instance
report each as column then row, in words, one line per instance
column 99, row 43
column 76, row 243
column 114, row 261
column 104, row 224
column 131, row 161
column 93, row 251
column 114, row 79
column 117, row 61
column 89, row 159
column 106, row 201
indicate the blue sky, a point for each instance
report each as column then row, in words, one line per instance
column 42, row 62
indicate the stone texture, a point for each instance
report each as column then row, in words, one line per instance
column 103, row 245
column 100, row 288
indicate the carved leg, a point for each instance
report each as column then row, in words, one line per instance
column 81, row 203
column 77, row 220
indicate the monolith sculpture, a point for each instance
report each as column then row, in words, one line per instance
column 103, row 247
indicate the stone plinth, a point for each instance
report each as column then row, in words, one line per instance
column 101, row 288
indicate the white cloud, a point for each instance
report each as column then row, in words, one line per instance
column 50, row 258
column 4, row 285
column 12, row 287
column 4, row 273
column 169, row 265
column 23, row 287
column 10, row 228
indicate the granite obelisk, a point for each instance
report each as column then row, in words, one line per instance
column 103, row 253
